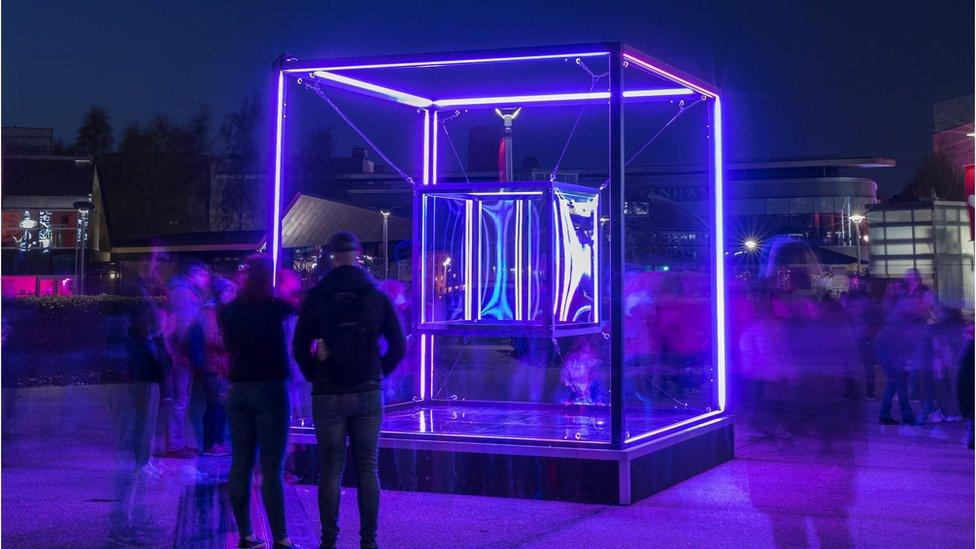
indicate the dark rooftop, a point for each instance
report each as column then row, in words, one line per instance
column 47, row 176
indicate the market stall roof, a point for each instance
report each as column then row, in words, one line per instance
column 310, row 221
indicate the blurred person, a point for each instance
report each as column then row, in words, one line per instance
column 300, row 460
column 947, row 342
column 257, row 406
column 216, row 369
column 765, row 367
column 345, row 315
column 965, row 370
column 289, row 289
column 896, row 345
column 148, row 367
column 187, row 293
column 863, row 314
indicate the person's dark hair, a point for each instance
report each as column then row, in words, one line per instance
column 258, row 279
column 189, row 265
column 343, row 241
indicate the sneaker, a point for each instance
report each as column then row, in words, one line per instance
column 938, row 434
column 953, row 419
column 217, row 450
column 150, row 473
column 182, row 453
column 888, row 421
column 252, row 542
column 152, row 467
column 935, row 417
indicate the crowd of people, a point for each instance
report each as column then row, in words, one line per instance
column 788, row 343
column 261, row 354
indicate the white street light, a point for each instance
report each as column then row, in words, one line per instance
column 856, row 219
column 386, row 243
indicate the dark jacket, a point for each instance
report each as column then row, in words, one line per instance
column 254, row 336
column 149, row 360
column 376, row 315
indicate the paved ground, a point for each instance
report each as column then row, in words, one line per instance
column 841, row 481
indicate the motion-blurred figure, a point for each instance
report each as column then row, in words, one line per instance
column 149, row 363
column 187, row 293
column 257, row 406
column 216, row 369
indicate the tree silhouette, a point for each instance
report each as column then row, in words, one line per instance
column 240, row 172
column 936, row 177
column 160, row 177
column 94, row 136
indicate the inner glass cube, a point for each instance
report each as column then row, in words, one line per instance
column 509, row 255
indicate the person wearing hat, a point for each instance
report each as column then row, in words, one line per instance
column 337, row 347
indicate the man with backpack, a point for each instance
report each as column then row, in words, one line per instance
column 337, row 348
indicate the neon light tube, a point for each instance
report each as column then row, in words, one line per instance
column 517, row 279
column 719, row 256
column 423, row 367
column 508, row 99
column 426, row 174
column 507, row 193
column 468, row 254
column 451, row 62
column 388, row 93
column 667, row 74
column 430, row 385
column 276, row 207
column 663, row 92
column 673, row 426
column 557, row 97
column 433, row 161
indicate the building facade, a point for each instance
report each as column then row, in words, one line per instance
column 931, row 236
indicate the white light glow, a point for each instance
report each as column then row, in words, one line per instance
column 388, row 93
column 447, row 62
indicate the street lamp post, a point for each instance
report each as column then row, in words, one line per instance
column 857, row 219
column 84, row 207
column 386, row 243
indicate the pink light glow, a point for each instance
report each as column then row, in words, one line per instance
column 468, row 254
column 426, row 174
column 556, row 97
column 719, row 255
column 276, row 220
column 433, row 164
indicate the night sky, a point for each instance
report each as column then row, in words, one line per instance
column 810, row 78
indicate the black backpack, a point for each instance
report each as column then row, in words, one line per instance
column 349, row 339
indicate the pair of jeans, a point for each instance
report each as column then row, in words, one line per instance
column 146, row 409
column 897, row 382
column 258, row 416
column 181, row 380
column 215, row 416
column 357, row 415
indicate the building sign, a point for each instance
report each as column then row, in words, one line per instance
column 680, row 193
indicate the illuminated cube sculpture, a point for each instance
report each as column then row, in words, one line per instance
column 556, row 313
column 509, row 259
